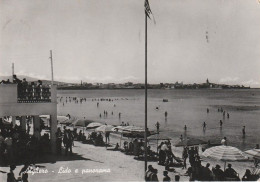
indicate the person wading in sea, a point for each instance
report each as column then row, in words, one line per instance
column 244, row 131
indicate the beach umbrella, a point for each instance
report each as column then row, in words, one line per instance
column 6, row 122
column 225, row 153
column 62, row 118
column 68, row 122
column 119, row 129
column 190, row 142
column 93, row 125
column 104, row 128
column 133, row 129
column 81, row 122
column 254, row 153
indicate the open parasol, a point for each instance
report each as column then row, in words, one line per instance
column 254, row 153
column 104, row 128
column 93, row 125
column 225, row 153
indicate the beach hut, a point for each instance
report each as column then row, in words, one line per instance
column 225, row 153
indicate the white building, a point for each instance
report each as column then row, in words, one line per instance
column 11, row 105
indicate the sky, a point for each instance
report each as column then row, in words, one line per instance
column 103, row 40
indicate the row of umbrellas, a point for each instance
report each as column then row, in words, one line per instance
column 89, row 124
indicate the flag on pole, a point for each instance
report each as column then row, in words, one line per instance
column 148, row 10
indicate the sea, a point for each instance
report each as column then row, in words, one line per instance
column 184, row 107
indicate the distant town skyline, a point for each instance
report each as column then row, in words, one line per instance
column 103, row 41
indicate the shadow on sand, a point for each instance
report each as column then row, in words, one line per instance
column 46, row 158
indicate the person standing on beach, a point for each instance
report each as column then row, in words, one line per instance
column 165, row 114
column 157, row 125
column 58, row 140
column 107, row 137
column 68, row 140
column 10, row 175
column 185, row 128
column 185, row 155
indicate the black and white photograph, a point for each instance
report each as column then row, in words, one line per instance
column 129, row 90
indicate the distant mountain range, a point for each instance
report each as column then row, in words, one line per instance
column 31, row 79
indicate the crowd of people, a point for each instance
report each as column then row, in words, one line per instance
column 67, row 138
column 151, row 175
column 198, row 172
column 29, row 91
column 166, row 156
column 17, row 146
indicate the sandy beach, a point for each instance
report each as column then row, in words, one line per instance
column 109, row 165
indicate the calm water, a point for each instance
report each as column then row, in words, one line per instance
column 185, row 107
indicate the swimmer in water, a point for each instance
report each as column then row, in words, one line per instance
column 244, row 131
column 181, row 138
column 165, row 114
column 204, row 125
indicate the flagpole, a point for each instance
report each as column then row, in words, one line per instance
column 145, row 124
column 51, row 67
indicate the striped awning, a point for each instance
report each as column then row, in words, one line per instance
column 254, row 153
column 225, row 153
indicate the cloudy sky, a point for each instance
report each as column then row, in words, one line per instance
column 103, row 40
